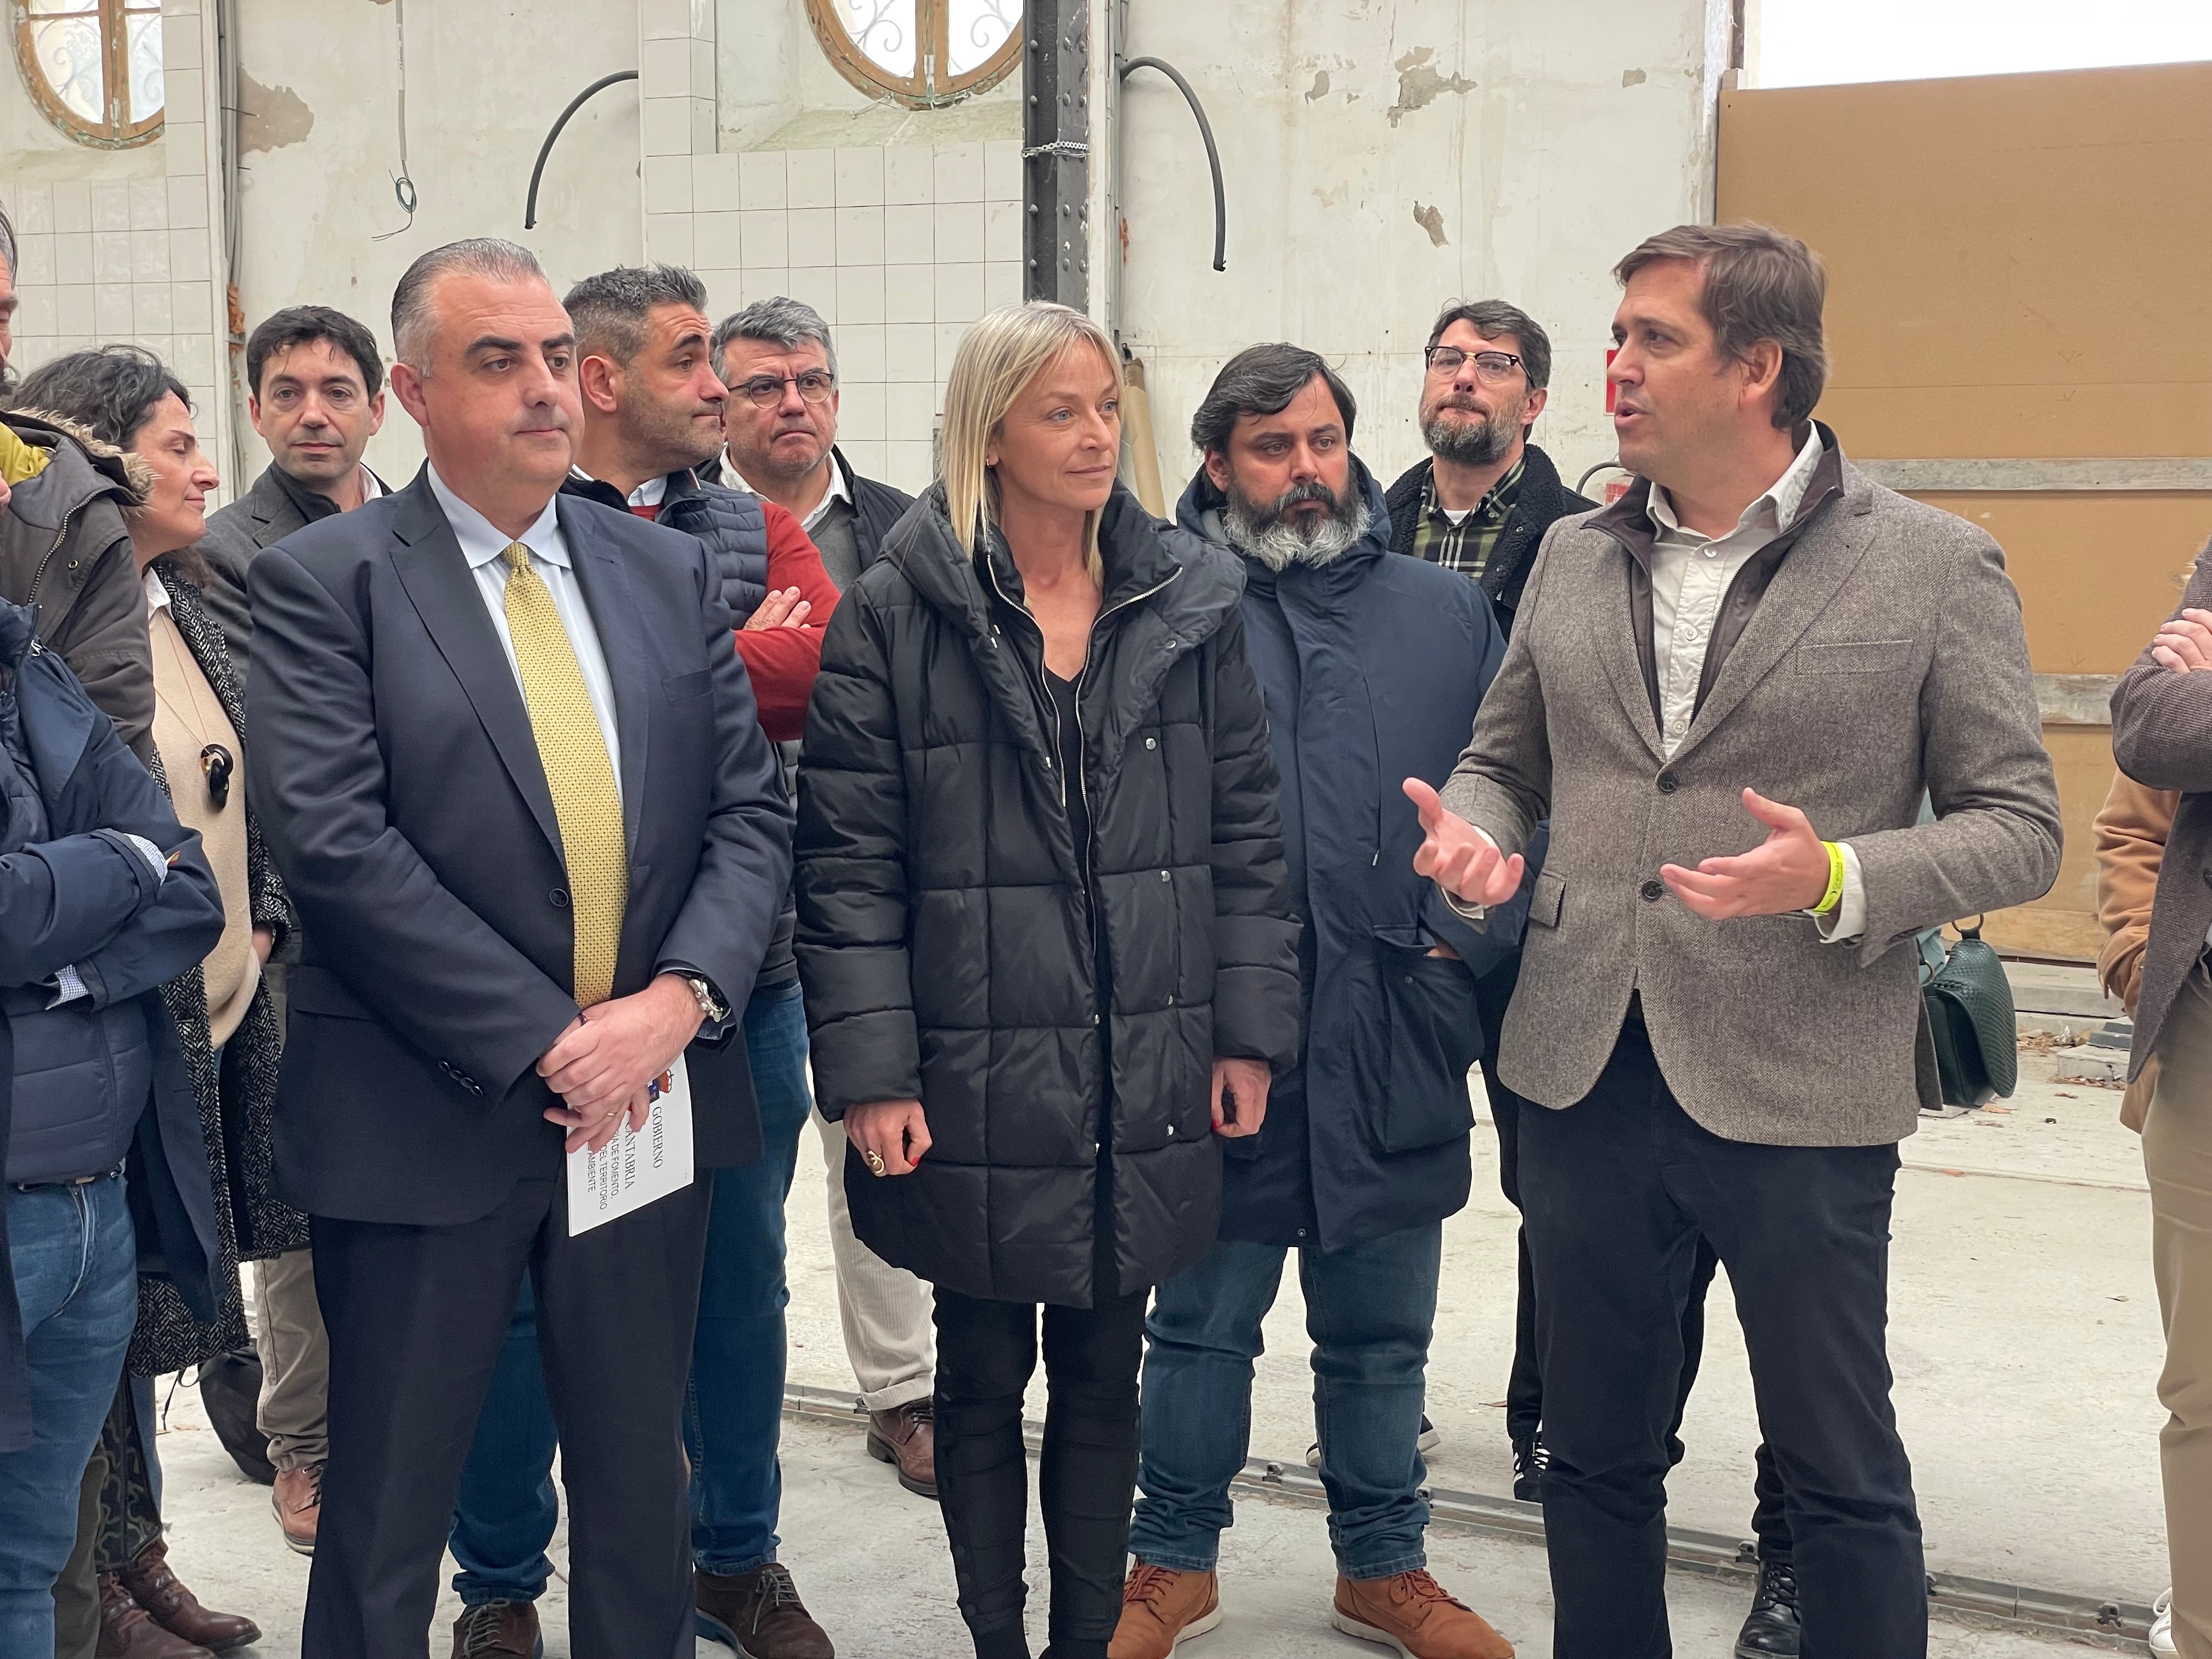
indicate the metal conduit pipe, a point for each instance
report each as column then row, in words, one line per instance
column 530, row 207
column 1212, row 155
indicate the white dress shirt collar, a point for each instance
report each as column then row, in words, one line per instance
column 1782, row 500
column 482, row 541
column 157, row 591
column 840, row 489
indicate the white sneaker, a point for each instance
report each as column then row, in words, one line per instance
column 2161, row 1627
column 1429, row 1442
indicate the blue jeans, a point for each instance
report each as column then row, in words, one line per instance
column 1369, row 1309
column 75, row 1257
column 507, row 1510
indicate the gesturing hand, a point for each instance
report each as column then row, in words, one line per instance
column 1787, row 872
column 2184, row 645
column 1240, row 1096
column 606, row 1059
column 779, row 609
column 1458, row 857
column 890, row 1135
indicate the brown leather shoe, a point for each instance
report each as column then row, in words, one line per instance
column 497, row 1630
column 298, row 1501
column 905, row 1437
column 1162, row 1610
column 127, row 1630
column 1411, row 1612
column 177, row 1610
column 759, row 1614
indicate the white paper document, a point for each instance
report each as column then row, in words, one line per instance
column 638, row 1166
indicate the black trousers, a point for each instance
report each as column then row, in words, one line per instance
column 1617, row 1191
column 1524, row 1389
column 987, row 1352
column 417, row 1316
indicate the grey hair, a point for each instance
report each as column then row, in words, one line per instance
column 414, row 329
column 609, row 310
column 779, row 322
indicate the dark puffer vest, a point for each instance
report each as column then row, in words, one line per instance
column 945, row 937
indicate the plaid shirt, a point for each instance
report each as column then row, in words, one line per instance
column 1466, row 546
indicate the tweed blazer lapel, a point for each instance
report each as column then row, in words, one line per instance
column 1820, row 562
column 1614, row 622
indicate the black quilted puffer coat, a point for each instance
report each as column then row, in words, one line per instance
column 944, row 937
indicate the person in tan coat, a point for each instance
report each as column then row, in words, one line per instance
column 2131, row 828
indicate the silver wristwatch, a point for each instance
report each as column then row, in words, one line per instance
column 715, row 1010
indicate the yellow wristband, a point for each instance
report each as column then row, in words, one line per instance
column 1834, row 896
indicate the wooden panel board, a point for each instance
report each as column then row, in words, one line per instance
column 2017, row 263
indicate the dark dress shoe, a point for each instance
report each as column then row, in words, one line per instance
column 1530, row 1460
column 127, row 1630
column 759, row 1614
column 905, row 1437
column 1770, row 1632
column 496, row 1629
column 177, row 1610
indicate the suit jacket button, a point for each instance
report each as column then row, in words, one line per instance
column 558, row 898
column 1652, row 892
column 1668, row 783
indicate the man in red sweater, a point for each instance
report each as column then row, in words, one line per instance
column 653, row 412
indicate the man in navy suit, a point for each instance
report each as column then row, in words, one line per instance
column 508, row 760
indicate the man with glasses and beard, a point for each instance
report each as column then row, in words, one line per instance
column 1483, row 500
column 1372, row 668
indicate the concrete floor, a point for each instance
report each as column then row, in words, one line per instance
column 2024, row 1334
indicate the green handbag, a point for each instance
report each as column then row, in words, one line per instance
column 1970, row 1015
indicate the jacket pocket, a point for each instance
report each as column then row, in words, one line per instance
column 1546, row 899
column 1857, row 657
column 677, row 687
column 1435, row 1035
column 319, row 991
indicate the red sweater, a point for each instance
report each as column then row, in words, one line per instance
column 782, row 662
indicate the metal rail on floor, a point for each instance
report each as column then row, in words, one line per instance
column 1986, row 1603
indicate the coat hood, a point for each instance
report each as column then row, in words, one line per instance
column 1191, row 583
column 99, row 468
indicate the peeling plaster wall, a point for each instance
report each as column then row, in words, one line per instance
column 319, row 131
column 1384, row 156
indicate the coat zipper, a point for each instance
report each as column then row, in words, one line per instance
column 60, row 537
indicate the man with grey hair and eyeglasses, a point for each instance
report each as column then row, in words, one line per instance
column 514, row 777
column 780, row 367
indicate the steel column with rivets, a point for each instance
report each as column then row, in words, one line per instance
column 1056, row 152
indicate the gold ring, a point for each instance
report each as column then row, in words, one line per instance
column 875, row 1159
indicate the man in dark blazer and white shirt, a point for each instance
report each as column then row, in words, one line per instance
column 1730, row 692
column 508, row 763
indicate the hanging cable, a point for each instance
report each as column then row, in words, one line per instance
column 402, row 186
column 530, row 203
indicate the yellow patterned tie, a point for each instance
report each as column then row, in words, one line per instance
column 573, row 752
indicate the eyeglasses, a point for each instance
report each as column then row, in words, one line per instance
column 1494, row 367
column 766, row 390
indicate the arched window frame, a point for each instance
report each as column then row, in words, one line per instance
column 929, row 84
column 116, row 130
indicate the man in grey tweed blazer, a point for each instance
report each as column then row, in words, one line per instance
column 1729, row 692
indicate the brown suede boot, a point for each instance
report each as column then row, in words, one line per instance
column 498, row 1630
column 759, row 1614
column 177, row 1610
column 1411, row 1612
column 127, row 1630
column 298, row 1500
column 1162, row 1610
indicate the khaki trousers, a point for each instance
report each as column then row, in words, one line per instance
column 886, row 1311
column 2178, row 1159
column 296, row 1361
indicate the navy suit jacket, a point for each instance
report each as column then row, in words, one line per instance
column 398, row 786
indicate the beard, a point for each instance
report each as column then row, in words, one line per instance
column 678, row 432
column 1268, row 533
column 1472, row 443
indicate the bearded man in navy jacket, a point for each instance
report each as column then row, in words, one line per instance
column 1372, row 667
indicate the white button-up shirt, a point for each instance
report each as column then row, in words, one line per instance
column 484, row 544
column 1691, row 575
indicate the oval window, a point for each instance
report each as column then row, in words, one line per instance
column 920, row 51
column 93, row 66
